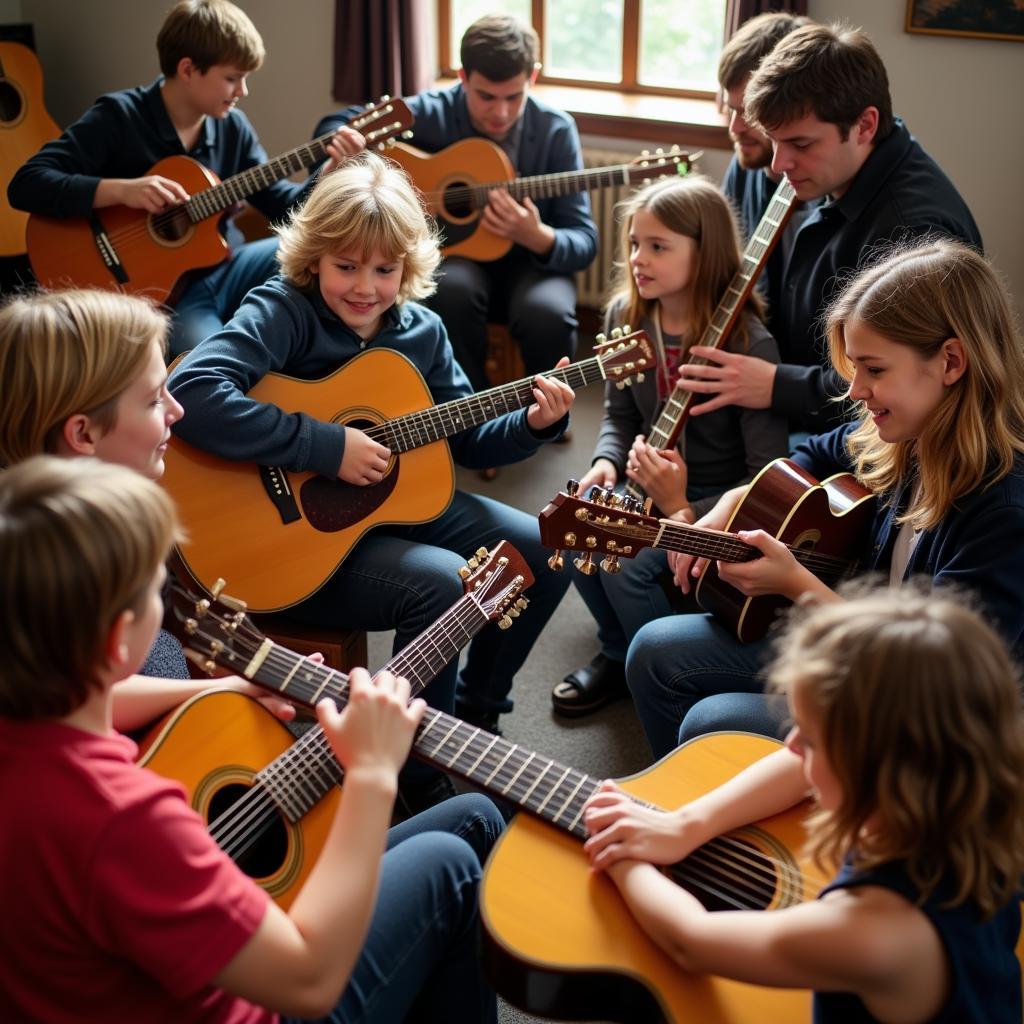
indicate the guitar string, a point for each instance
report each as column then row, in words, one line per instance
column 258, row 800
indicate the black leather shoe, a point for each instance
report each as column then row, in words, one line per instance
column 486, row 720
column 417, row 796
column 590, row 687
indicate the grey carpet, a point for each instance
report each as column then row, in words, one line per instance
column 610, row 742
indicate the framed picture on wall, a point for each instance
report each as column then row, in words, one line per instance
column 979, row 19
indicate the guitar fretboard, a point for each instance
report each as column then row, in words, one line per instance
column 439, row 421
column 666, row 429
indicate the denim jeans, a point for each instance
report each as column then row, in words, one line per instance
column 421, row 958
column 761, row 713
column 675, row 662
column 210, row 301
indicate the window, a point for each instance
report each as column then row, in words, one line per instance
column 642, row 46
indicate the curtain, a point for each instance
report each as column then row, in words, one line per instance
column 739, row 11
column 381, row 47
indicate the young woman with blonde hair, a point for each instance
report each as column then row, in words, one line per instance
column 679, row 250
column 933, row 356
column 908, row 733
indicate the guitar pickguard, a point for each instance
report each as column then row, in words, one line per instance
column 333, row 505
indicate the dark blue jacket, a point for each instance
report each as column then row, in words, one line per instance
column 978, row 546
column 549, row 143
column 121, row 136
column 899, row 193
column 984, row 972
column 283, row 329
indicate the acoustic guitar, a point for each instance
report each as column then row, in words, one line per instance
column 456, row 181
column 671, row 419
column 124, row 249
column 559, row 940
column 25, row 127
column 281, row 535
column 268, row 799
column 824, row 525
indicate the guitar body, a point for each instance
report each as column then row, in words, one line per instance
column 439, row 175
column 831, row 518
column 214, row 744
column 235, row 529
column 25, row 126
column 560, row 942
column 154, row 249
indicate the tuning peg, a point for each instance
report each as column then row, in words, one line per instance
column 513, row 612
column 522, row 602
column 611, row 564
column 481, row 553
column 621, row 384
column 600, row 339
column 626, row 329
column 556, row 562
column 464, row 572
column 585, row 564
column 472, row 562
column 640, row 378
column 504, row 622
column 209, row 666
column 616, row 333
column 572, row 488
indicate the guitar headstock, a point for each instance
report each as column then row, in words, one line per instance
column 661, row 163
column 496, row 579
column 624, row 355
column 382, row 121
column 605, row 523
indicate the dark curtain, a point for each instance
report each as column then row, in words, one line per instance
column 739, row 11
column 381, row 48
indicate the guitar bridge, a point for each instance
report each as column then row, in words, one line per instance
column 107, row 251
column 275, row 483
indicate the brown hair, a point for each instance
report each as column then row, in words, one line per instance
column 208, row 32
column 831, row 71
column 68, row 352
column 752, row 42
column 367, row 204
column 692, row 206
column 499, row 47
column 921, row 722
column 80, row 543
column 919, row 297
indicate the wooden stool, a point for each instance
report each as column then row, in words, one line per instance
column 504, row 360
column 343, row 649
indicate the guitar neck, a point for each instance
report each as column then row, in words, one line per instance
column 669, row 424
column 306, row 772
column 440, row 421
column 565, row 183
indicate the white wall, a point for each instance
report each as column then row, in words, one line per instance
column 960, row 97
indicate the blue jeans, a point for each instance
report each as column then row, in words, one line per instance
column 538, row 306
column 211, row 300
column 675, row 662
column 421, row 960
column 403, row 578
column 761, row 713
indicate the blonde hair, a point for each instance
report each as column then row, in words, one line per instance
column 921, row 722
column 208, row 32
column 692, row 206
column 366, row 205
column 920, row 297
column 80, row 543
column 68, row 352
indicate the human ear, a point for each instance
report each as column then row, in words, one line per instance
column 954, row 361
column 116, row 649
column 79, row 435
column 185, row 68
column 867, row 125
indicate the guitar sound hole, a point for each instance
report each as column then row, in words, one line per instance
column 728, row 875
column 458, row 199
column 171, row 226
column 10, row 103
column 264, row 847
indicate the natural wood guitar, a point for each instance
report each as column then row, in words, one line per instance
column 24, row 128
column 125, row 249
column 268, row 799
column 456, row 181
column 824, row 524
column 278, row 536
column 559, row 940
column 671, row 419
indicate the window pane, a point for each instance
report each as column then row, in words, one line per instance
column 680, row 41
column 584, row 39
column 465, row 12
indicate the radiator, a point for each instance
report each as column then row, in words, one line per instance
column 592, row 283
